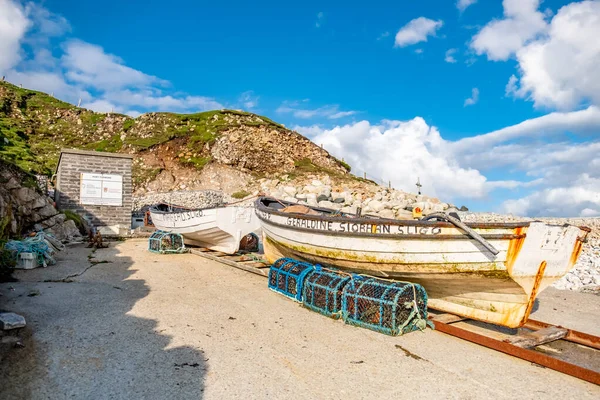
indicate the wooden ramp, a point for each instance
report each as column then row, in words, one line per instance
column 249, row 262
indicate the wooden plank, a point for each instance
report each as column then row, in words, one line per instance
column 232, row 257
column 255, row 264
column 447, row 318
column 234, row 264
column 532, row 339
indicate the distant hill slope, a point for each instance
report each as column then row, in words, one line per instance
column 171, row 150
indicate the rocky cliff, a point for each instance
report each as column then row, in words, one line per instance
column 24, row 208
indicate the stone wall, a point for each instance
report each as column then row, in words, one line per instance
column 24, row 208
column 75, row 162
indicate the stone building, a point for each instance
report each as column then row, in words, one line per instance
column 96, row 185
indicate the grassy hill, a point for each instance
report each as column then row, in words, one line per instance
column 34, row 126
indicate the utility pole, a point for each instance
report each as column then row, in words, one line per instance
column 419, row 185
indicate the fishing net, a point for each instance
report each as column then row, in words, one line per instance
column 286, row 276
column 389, row 307
column 42, row 246
column 249, row 243
column 323, row 291
column 166, row 242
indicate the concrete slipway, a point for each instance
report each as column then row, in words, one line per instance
column 146, row 326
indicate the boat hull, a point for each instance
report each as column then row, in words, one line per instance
column 460, row 275
column 219, row 229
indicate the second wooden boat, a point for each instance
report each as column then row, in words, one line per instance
column 218, row 228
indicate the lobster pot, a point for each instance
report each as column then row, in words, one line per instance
column 166, row 242
column 393, row 308
column 323, row 290
column 287, row 275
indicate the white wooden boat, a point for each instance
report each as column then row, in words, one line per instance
column 219, row 228
column 460, row 274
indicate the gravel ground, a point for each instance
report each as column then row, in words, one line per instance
column 147, row 326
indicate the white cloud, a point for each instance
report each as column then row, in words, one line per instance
column 581, row 198
column 328, row 111
column 45, row 23
column 249, row 100
column 473, row 99
column 502, row 38
column 561, row 70
column 84, row 71
column 583, row 121
column 13, row 25
column 449, row 57
column 91, row 66
column 401, row 151
column 417, row 31
column 320, row 19
column 463, row 4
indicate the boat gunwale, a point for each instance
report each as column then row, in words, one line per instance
column 392, row 236
column 361, row 220
column 181, row 209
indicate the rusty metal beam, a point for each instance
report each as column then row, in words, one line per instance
column 524, row 354
column 582, row 338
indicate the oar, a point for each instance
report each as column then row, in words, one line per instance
column 458, row 223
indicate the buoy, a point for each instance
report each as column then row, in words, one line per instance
column 417, row 212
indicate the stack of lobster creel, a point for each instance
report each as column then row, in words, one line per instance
column 390, row 307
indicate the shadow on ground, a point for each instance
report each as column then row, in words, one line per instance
column 83, row 341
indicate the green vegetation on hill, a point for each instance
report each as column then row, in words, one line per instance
column 34, row 126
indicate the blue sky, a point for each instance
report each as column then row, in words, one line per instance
column 384, row 85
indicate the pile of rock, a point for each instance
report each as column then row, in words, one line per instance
column 189, row 199
column 372, row 200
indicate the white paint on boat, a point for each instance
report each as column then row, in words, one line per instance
column 219, row 228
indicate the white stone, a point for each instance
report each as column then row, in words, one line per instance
column 311, row 189
column 317, row 182
column 386, row 214
column 326, row 204
column 376, row 205
column 348, row 210
column 290, row 190
column 10, row 321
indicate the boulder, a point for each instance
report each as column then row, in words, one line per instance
column 387, row 214
column 290, row 190
column 326, row 191
column 317, row 183
column 25, row 195
column 403, row 214
column 311, row 189
column 339, row 200
column 325, row 204
column 322, row 197
column 376, row 205
column 348, row 209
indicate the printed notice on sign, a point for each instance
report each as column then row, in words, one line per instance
column 101, row 189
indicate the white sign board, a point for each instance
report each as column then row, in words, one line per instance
column 101, row 189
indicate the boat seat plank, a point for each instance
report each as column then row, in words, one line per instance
column 536, row 338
